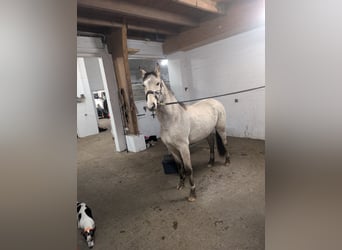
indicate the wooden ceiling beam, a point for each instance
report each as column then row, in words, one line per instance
column 138, row 11
column 105, row 23
column 151, row 30
column 241, row 16
column 95, row 22
column 205, row 5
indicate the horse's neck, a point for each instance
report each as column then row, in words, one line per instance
column 168, row 112
column 168, row 95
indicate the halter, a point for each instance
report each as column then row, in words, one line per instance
column 87, row 229
column 156, row 93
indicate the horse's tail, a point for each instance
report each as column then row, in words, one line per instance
column 220, row 146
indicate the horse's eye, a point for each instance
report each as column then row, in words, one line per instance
column 157, row 83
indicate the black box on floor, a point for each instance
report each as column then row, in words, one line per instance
column 169, row 165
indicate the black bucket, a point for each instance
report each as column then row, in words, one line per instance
column 169, row 165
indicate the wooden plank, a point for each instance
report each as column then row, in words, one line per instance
column 151, row 30
column 205, row 5
column 105, row 23
column 117, row 46
column 138, row 11
column 132, row 51
column 241, row 16
column 94, row 22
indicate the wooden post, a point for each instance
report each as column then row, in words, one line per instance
column 117, row 46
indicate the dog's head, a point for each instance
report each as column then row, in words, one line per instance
column 89, row 236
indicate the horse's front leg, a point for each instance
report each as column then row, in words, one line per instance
column 181, row 171
column 181, row 176
column 185, row 155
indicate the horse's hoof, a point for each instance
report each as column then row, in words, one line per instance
column 227, row 162
column 210, row 164
column 191, row 199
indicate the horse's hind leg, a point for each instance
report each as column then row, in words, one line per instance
column 211, row 142
column 185, row 154
column 227, row 161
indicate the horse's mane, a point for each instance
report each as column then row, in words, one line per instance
column 180, row 103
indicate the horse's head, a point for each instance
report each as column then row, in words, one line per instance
column 153, row 87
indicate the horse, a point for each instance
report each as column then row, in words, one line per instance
column 182, row 125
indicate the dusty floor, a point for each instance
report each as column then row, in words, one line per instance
column 137, row 206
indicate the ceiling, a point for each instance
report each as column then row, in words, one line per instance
column 154, row 20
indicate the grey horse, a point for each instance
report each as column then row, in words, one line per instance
column 181, row 125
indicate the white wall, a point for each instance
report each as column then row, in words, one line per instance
column 90, row 45
column 94, row 73
column 86, row 111
column 229, row 65
column 146, row 123
column 111, row 90
column 146, row 49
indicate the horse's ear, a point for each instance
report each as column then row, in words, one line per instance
column 157, row 70
column 143, row 72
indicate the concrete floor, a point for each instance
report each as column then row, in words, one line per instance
column 137, row 206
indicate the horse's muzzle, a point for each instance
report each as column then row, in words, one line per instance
column 152, row 108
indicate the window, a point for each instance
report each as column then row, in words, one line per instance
column 148, row 65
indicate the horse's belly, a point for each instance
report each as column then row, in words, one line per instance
column 203, row 119
column 201, row 129
column 200, row 133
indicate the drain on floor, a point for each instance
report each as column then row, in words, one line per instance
column 218, row 222
column 175, row 225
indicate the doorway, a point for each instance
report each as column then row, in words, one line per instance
column 97, row 102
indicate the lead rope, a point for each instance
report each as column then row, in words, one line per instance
column 203, row 98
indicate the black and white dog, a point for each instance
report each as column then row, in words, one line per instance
column 86, row 223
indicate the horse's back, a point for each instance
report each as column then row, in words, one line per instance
column 207, row 108
column 209, row 103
